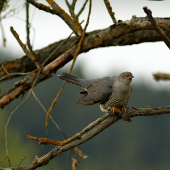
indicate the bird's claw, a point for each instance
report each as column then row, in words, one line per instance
column 125, row 116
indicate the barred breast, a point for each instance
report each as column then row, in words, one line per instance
column 113, row 102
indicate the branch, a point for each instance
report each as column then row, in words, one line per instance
column 3, row 34
column 156, row 27
column 28, row 28
column 134, row 37
column 106, row 122
column 23, row 46
column 82, row 9
column 109, row 8
column 94, row 40
column 72, row 65
column 72, row 23
column 161, row 76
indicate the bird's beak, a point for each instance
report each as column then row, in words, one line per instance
column 130, row 77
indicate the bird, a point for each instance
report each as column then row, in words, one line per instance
column 112, row 93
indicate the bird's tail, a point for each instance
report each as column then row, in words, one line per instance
column 72, row 79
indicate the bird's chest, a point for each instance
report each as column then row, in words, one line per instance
column 120, row 97
column 121, row 92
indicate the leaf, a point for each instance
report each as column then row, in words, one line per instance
column 80, row 153
column 74, row 163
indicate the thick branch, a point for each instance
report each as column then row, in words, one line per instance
column 109, row 120
column 134, row 37
column 93, row 40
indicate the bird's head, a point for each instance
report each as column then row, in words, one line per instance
column 126, row 77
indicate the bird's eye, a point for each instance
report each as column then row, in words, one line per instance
column 123, row 76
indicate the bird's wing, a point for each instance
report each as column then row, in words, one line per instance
column 98, row 92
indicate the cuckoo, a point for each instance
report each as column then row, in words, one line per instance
column 112, row 93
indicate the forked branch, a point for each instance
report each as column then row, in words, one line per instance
column 91, row 130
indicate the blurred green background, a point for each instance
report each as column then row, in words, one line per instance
column 142, row 144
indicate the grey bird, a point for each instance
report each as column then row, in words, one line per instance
column 112, row 93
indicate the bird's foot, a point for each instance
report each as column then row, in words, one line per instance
column 125, row 116
column 114, row 109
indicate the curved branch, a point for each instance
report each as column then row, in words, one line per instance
column 94, row 40
column 137, row 36
column 107, row 120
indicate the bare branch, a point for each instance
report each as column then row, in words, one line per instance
column 82, row 9
column 109, row 120
column 14, row 74
column 72, row 65
column 109, row 8
column 23, row 46
column 156, row 27
column 161, row 76
column 71, row 9
column 49, row 114
column 3, row 34
column 21, row 162
column 97, row 39
column 72, row 23
column 135, row 36
column 28, row 28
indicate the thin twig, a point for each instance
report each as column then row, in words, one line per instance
column 23, row 46
column 156, row 27
column 109, row 8
column 30, row 91
column 20, row 162
column 53, row 166
column 4, row 68
column 15, row 11
column 71, row 8
column 72, row 23
column 4, row 159
column 3, row 34
column 72, row 65
column 13, row 74
column 49, row 115
column 82, row 9
column 28, row 28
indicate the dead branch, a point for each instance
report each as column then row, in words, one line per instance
column 97, row 39
column 72, row 65
column 28, row 28
column 23, row 46
column 129, row 37
column 156, row 27
column 72, row 23
column 108, row 120
column 111, row 13
column 161, row 76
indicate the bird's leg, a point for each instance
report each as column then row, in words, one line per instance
column 125, row 117
column 114, row 109
column 123, row 107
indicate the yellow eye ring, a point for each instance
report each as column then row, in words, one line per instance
column 123, row 76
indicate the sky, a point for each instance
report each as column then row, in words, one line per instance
column 142, row 60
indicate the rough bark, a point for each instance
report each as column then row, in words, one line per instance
column 106, row 120
column 96, row 39
column 143, row 32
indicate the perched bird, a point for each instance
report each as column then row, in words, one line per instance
column 111, row 92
